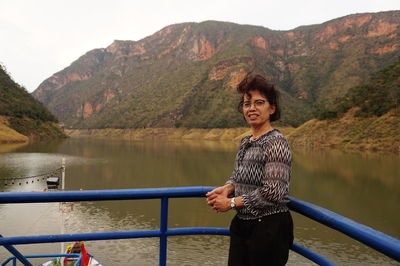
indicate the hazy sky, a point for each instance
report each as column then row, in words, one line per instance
column 42, row 37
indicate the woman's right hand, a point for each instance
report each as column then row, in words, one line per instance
column 223, row 191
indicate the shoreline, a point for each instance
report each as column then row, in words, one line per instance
column 307, row 136
column 225, row 134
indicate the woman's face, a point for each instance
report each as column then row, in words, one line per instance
column 256, row 109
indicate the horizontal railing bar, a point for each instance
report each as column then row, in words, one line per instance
column 198, row 231
column 379, row 241
column 102, row 195
column 311, row 255
column 66, row 255
column 19, row 240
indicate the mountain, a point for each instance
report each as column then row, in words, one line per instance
column 185, row 74
column 376, row 97
column 21, row 115
column 367, row 117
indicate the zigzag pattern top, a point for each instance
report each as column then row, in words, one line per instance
column 262, row 175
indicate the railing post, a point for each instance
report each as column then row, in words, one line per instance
column 61, row 205
column 163, row 230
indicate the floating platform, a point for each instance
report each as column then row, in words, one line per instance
column 53, row 182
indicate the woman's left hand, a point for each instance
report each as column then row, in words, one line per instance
column 221, row 203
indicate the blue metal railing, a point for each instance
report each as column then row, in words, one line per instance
column 383, row 243
column 379, row 241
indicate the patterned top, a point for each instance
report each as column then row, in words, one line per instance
column 262, row 175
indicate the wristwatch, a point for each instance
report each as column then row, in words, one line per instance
column 233, row 204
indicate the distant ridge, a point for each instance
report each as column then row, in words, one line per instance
column 185, row 74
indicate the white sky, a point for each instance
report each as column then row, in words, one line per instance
column 41, row 37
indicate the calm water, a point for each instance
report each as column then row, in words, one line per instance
column 363, row 187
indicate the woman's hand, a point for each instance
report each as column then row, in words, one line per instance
column 224, row 191
column 221, row 203
column 218, row 198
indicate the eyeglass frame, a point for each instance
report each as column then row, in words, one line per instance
column 257, row 104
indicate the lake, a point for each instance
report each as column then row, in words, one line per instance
column 364, row 187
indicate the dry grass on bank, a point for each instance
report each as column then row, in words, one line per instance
column 9, row 135
column 349, row 132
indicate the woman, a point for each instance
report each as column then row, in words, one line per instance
column 262, row 230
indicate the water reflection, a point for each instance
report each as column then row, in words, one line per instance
column 352, row 167
column 360, row 187
column 363, row 187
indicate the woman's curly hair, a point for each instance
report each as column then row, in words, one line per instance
column 252, row 82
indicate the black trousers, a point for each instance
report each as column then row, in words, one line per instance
column 264, row 241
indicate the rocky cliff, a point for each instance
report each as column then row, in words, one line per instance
column 185, row 74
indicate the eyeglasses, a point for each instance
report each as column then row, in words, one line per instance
column 257, row 104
